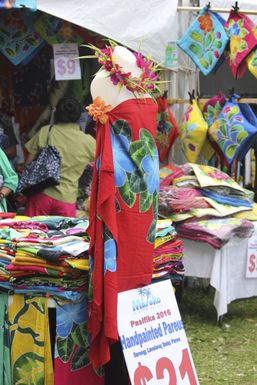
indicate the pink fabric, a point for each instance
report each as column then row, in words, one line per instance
column 42, row 204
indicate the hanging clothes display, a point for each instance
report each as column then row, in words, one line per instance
column 124, row 197
column 192, row 132
column 167, row 130
column 205, row 40
column 31, row 358
column 233, row 131
column 124, row 191
column 240, row 29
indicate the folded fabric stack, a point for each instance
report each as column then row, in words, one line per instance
column 200, row 195
column 167, row 261
column 44, row 255
column 216, row 232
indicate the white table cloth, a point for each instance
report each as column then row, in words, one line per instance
column 226, row 269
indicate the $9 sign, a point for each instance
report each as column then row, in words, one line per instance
column 165, row 369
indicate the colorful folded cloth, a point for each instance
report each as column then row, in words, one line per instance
column 168, row 250
column 216, row 232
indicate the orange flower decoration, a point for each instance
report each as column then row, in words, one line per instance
column 205, row 23
column 99, row 110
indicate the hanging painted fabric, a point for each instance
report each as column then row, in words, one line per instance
column 233, row 131
column 31, row 4
column 167, row 130
column 5, row 362
column 18, row 37
column 54, row 30
column 251, row 59
column 192, row 132
column 205, row 40
column 71, row 359
column 241, row 31
column 31, row 357
column 123, row 212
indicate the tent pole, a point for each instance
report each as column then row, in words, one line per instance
column 218, row 10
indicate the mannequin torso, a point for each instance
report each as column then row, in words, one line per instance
column 112, row 94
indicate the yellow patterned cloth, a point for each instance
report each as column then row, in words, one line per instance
column 193, row 132
column 31, row 358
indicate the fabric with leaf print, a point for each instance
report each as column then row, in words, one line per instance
column 5, row 362
column 192, row 132
column 54, row 30
column 123, row 215
column 240, row 30
column 29, row 336
column 71, row 361
column 205, row 40
column 251, row 62
column 232, row 132
column 167, row 129
column 18, row 37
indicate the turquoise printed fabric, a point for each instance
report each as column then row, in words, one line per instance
column 205, row 40
column 233, row 131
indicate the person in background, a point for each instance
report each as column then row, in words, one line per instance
column 8, row 180
column 8, row 140
column 76, row 150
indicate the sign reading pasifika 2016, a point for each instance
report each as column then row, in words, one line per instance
column 8, row 4
column 153, row 338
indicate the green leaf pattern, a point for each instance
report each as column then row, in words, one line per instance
column 228, row 131
column 206, row 47
column 135, row 182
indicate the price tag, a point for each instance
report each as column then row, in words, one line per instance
column 66, row 64
column 251, row 265
column 153, row 338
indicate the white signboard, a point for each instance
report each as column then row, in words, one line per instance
column 153, row 338
column 251, row 265
column 66, row 64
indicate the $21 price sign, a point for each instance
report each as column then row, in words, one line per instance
column 66, row 64
column 165, row 370
column 153, row 338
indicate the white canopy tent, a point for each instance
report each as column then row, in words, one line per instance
column 149, row 24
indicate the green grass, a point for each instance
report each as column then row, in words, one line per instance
column 224, row 354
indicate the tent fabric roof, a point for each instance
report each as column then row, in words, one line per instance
column 148, row 25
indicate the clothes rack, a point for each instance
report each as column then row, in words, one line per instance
column 204, row 100
column 218, row 10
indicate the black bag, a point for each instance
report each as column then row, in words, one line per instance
column 42, row 172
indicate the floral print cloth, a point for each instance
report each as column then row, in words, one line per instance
column 205, row 40
column 71, row 361
column 242, row 33
column 232, row 132
column 54, row 30
column 251, row 59
column 29, row 340
column 167, row 130
column 192, row 132
column 18, row 37
column 124, row 198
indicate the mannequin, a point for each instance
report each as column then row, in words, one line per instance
column 123, row 206
column 111, row 94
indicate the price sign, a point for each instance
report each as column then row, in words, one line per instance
column 251, row 265
column 153, row 338
column 66, row 64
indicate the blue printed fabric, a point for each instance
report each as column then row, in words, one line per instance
column 18, row 37
column 232, row 132
column 31, row 4
column 205, row 40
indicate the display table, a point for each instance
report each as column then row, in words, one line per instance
column 226, row 269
